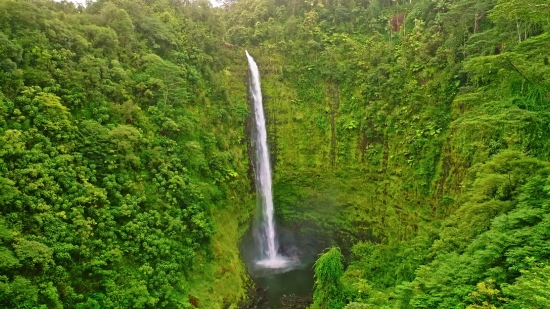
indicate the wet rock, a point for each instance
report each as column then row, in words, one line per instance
column 296, row 301
column 257, row 298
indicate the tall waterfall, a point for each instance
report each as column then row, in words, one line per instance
column 265, row 233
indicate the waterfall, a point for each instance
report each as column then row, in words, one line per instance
column 265, row 233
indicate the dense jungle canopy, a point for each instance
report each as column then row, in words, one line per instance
column 412, row 134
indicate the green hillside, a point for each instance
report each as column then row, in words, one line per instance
column 413, row 135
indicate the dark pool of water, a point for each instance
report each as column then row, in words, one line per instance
column 297, row 279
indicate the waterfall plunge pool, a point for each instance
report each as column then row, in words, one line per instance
column 283, row 284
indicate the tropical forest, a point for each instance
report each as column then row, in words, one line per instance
column 320, row 154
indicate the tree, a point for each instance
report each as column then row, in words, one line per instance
column 531, row 289
column 328, row 290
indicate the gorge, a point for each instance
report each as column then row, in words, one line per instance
column 409, row 145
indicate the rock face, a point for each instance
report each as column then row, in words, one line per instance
column 258, row 300
column 295, row 301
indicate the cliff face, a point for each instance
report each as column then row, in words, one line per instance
column 411, row 133
column 374, row 133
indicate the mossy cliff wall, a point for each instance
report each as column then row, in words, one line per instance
column 371, row 139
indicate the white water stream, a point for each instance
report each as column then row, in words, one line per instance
column 265, row 233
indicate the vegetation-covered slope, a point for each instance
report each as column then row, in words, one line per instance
column 122, row 157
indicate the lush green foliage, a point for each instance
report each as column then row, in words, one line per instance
column 328, row 270
column 120, row 155
column 415, row 134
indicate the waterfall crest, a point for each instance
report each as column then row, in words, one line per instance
column 265, row 234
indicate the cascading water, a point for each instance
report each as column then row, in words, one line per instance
column 265, row 233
